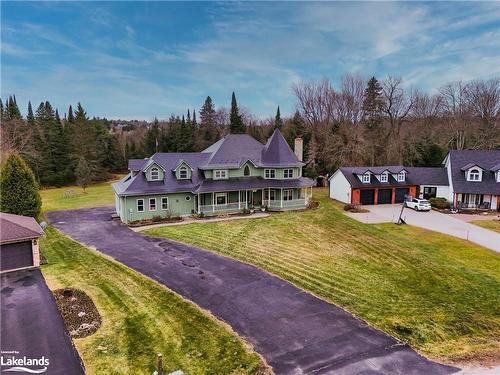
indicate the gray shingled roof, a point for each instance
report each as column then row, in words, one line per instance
column 15, row 228
column 232, row 151
column 243, row 183
column 487, row 159
column 414, row 176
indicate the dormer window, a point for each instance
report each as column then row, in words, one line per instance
column 366, row 178
column 183, row 173
column 474, row 175
column 246, row 171
column 384, row 177
column 155, row 174
column 401, row 177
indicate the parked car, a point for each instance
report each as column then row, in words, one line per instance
column 419, row 204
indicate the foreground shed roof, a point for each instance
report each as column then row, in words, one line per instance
column 16, row 228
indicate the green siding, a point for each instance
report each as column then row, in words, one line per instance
column 255, row 172
column 178, row 206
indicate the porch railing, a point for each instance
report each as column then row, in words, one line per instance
column 220, row 208
column 293, row 203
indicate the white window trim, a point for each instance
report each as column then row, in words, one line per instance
column 365, row 178
column 476, row 172
column 289, row 170
column 217, row 195
column 268, row 170
column 161, row 201
column 149, row 204
column 401, row 177
column 157, row 178
column 384, row 177
column 137, row 205
column 183, row 169
column 221, row 172
column 287, row 192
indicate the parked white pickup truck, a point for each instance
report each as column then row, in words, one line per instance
column 418, row 204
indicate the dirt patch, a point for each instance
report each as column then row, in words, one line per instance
column 487, row 360
column 78, row 311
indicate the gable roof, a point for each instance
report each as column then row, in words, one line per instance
column 414, row 176
column 15, row 228
column 487, row 159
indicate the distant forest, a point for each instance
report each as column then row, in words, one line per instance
column 362, row 122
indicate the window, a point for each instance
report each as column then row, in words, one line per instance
column 401, row 176
column 220, row 174
column 270, row 173
column 183, row 173
column 220, row 199
column 366, row 178
column 152, row 204
column 269, row 194
column 188, row 198
column 246, row 171
column 164, row 203
column 288, row 173
column 140, row 205
column 474, row 175
column 155, row 174
column 287, row 195
column 383, row 177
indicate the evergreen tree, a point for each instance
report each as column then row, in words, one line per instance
column 80, row 114
column 207, row 113
column 194, row 119
column 30, row 118
column 2, row 110
column 71, row 117
column 12, row 109
column 152, row 139
column 236, row 125
column 278, row 122
column 188, row 117
column 372, row 104
column 19, row 188
column 83, row 173
column 58, row 119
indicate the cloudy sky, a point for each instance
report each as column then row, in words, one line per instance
column 140, row 60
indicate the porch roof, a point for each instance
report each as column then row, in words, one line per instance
column 248, row 183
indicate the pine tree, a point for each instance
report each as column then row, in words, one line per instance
column 58, row 119
column 372, row 104
column 30, row 118
column 278, row 122
column 2, row 111
column 152, row 139
column 71, row 117
column 188, row 117
column 19, row 188
column 236, row 125
column 12, row 109
column 194, row 119
column 80, row 114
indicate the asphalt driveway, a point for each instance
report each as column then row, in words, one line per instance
column 433, row 220
column 32, row 325
column 294, row 331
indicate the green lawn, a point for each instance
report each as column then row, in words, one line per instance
column 438, row 293
column 141, row 318
column 96, row 195
column 493, row 224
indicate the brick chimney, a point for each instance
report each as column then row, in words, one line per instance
column 299, row 148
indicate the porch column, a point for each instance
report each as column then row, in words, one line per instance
column 213, row 201
column 239, row 199
column 281, row 197
column 268, row 197
column 246, row 199
column 262, row 200
column 199, row 204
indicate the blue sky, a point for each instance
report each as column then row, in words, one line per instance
column 146, row 59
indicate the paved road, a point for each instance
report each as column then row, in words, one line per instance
column 294, row 331
column 32, row 325
column 433, row 220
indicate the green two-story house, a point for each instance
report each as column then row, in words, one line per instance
column 235, row 173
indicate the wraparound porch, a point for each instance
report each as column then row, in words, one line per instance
column 272, row 199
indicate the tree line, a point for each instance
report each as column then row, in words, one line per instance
column 362, row 122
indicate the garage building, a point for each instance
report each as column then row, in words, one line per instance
column 18, row 242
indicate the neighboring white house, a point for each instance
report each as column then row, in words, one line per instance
column 467, row 179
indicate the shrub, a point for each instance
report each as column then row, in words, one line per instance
column 354, row 208
column 19, row 189
column 156, row 218
column 439, row 203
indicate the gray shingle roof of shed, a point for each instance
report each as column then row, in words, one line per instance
column 16, row 228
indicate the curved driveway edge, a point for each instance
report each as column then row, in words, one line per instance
column 33, row 326
column 296, row 332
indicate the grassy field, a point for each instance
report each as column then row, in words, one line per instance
column 141, row 318
column 70, row 197
column 488, row 224
column 438, row 293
